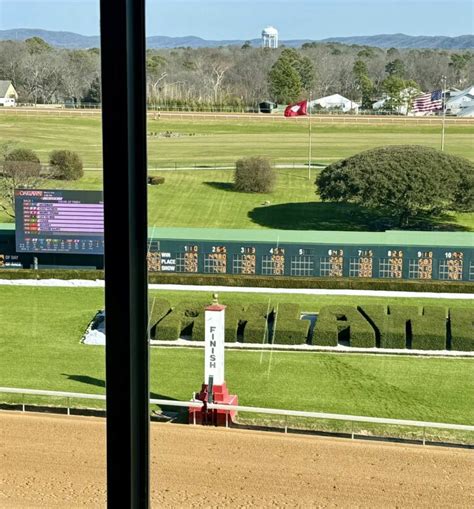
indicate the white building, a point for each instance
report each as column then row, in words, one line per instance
column 8, row 94
column 270, row 37
column 458, row 100
column 336, row 102
column 467, row 110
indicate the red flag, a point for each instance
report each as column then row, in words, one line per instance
column 293, row 110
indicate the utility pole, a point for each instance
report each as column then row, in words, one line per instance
column 310, row 137
column 444, row 85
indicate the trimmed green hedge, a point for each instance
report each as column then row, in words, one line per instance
column 390, row 330
column 169, row 328
column 234, row 319
column 256, row 281
column 255, row 330
column 337, row 323
column 288, row 328
column 198, row 331
column 428, row 332
column 256, row 323
column 158, row 308
column 188, row 313
column 365, row 326
column 462, row 329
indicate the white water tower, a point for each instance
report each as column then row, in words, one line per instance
column 270, row 37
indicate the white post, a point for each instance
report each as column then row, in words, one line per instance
column 214, row 317
column 309, row 146
column 443, row 80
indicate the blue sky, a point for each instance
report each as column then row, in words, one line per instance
column 244, row 19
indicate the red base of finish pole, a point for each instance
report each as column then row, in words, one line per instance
column 214, row 417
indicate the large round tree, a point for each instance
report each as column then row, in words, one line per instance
column 401, row 180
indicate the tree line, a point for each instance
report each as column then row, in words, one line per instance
column 238, row 77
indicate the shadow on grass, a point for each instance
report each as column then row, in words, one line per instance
column 340, row 216
column 316, row 216
column 85, row 379
column 221, row 186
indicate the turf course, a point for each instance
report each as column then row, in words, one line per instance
column 207, row 142
column 41, row 350
column 205, row 198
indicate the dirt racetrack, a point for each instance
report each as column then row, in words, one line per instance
column 58, row 461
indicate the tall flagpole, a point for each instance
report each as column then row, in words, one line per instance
column 309, row 133
column 443, row 81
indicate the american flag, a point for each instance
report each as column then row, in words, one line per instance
column 432, row 101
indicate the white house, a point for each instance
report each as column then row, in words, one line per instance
column 8, row 94
column 459, row 100
column 336, row 101
column 406, row 96
column 467, row 110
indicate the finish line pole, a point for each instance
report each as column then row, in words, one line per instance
column 310, row 140
column 125, row 217
column 444, row 85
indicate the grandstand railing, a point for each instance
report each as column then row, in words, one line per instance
column 255, row 410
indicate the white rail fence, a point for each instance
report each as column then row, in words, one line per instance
column 255, row 410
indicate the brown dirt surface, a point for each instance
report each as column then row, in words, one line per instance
column 59, row 461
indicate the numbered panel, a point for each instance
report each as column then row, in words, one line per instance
column 245, row 262
column 333, row 264
column 273, row 264
column 422, row 266
column 362, row 265
column 391, row 266
column 215, row 262
column 451, row 267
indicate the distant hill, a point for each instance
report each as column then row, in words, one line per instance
column 75, row 41
column 58, row 39
column 408, row 41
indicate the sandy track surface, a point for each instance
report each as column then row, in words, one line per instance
column 58, row 461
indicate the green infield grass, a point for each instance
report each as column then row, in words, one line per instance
column 205, row 198
column 39, row 348
column 198, row 141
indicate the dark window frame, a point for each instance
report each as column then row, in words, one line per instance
column 125, row 218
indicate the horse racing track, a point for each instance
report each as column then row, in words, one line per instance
column 58, row 461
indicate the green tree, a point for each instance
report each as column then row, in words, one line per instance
column 291, row 74
column 303, row 66
column 93, row 94
column 392, row 52
column 364, row 83
column 366, row 52
column 66, row 165
column 254, row 175
column 402, row 181
column 395, row 68
column 36, row 45
column 21, row 169
column 458, row 63
column 285, row 81
column 400, row 93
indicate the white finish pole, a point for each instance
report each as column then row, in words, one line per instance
column 214, row 318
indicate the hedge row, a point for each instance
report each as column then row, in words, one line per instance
column 461, row 322
column 256, row 281
column 343, row 323
column 408, row 326
column 367, row 326
column 288, row 328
